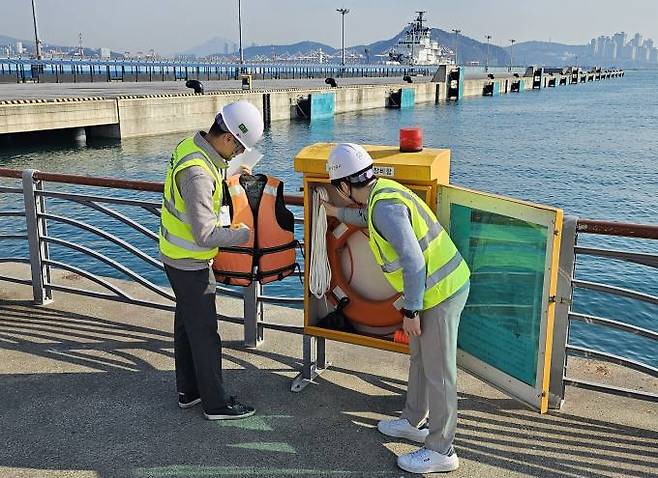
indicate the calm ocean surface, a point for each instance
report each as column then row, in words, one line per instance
column 590, row 149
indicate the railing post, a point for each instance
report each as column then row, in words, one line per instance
column 563, row 300
column 253, row 315
column 36, row 229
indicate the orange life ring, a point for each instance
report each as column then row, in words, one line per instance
column 361, row 310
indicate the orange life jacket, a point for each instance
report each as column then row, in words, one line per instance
column 269, row 253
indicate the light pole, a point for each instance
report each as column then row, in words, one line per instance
column 511, row 54
column 486, row 65
column 37, row 42
column 240, row 30
column 343, row 12
column 456, row 32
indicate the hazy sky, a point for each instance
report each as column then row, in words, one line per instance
column 176, row 25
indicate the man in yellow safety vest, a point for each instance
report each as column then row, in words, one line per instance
column 190, row 234
column 419, row 259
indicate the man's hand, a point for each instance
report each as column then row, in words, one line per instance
column 245, row 169
column 330, row 209
column 411, row 326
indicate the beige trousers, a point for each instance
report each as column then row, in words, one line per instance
column 432, row 388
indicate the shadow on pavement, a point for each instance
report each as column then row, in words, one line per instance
column 105, row 401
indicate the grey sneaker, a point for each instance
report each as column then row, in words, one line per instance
column 401, row 428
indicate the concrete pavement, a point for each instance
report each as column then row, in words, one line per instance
column 87, row 390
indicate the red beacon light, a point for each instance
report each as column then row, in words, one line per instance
column 411, row 140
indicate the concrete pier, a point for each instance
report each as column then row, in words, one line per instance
column 88, row 391
column 128, row 110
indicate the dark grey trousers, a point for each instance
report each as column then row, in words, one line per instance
column 197, row 345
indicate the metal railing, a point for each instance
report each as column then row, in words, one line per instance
column 39, row 219
column 73, row 71
column 623, row 230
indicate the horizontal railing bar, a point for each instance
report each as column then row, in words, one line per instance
column 152, row 210
column 142, row 303
column 124, row 219
column 229, row 292
column 293, row 329
column 5, row 189
column 283, row 300
column 105, row 235
column 11, row 173
column 87, row 275
column 293, row 200
column 12, row 213
column 592, row 319
column 599, row 387
column 13, row 236
column 615, row 291
column 84, row 198
column 22, row 260
column 615, row 359
column 89, row 180
column 609, row 228
column 642, row 258
column 112, row 263
column 16, row 280
column 112, row 183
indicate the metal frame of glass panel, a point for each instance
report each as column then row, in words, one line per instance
column 550, row 218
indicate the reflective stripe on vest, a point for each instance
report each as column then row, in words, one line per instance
column 446, row 273
column 176, row 239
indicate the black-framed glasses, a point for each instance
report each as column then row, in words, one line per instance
column 239, row 147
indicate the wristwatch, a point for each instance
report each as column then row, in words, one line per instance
column 410, row 314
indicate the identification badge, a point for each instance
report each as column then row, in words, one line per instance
column 224, row 216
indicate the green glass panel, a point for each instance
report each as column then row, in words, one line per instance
column 500, row 324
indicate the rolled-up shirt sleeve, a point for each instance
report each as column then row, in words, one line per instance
column 354, row 216
column 197, row 188
column 393, row 222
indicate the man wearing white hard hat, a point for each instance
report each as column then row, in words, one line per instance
column 190, row 234
column 418, row 259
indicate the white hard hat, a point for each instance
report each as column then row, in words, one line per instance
column 244, row 121
column 347, row 159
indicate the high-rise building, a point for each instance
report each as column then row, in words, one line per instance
column 637, row 40
column 620, row 39
column 105, row 53
column 19, row 48
column 653, row 56
column 629, row 52
column 612, row 50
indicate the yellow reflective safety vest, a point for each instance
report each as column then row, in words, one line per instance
column 446, row 270
column 176, row 239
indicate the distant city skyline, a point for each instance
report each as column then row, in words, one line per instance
column 170, row 26
column 623, row 46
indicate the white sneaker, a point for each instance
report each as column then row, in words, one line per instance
column 428, row 461
column 401, row 428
